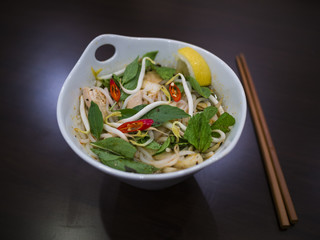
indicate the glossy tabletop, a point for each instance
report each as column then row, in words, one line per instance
column 48, row 192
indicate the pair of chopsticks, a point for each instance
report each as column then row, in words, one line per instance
column 280, row 193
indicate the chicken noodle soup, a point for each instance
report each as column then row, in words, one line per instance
column 149, row 118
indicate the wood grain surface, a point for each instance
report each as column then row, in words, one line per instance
column 48, row 192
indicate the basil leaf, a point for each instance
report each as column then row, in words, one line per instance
column 105, row 156
column 106, row 82
column 154, row 145
column 130, row 71
column 163, row 146
column 124, row 164
column 95, row 120
column 127, row 112
column 224, row 122
column 151, row 55
column 165, row 73
column 203, row 91
column 132, row 84
column 198, row 132
column 116, row 145
column 139, row 107
column 164, row 113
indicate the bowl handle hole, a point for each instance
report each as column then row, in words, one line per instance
column 105, row 52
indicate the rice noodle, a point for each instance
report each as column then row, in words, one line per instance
column 143, row 111
column 219, row 139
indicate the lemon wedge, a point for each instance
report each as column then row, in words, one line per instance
column 191, row 63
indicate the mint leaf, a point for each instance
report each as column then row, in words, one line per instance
column 95, row 120
column 117, row 146
column 224, row 122
column 203, row 91
column 209, row 112
column 164, row 113
column 123, row 164
column 131, row 71
column 198, row 132
column 165, row 73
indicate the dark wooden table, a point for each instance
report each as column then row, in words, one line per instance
column 47, row 192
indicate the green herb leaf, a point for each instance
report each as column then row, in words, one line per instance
column 164, row 113
column 209, row 112
column 131, row 71
column 151, row 55
column 165, row 73
column 127, row 112
column 106, row 82
column 224, row 122
column 203, row 91
column 180, row 86
column 95, row 120
column 117, row 146
column 198, row 132
column 123, row 164
column 159, row 115
column 105, row 156
column 132, row 84
column 153, row 145
column 163, row 146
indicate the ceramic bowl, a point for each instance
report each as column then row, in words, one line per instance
column 224, row 80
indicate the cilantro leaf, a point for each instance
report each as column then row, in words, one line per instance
column 203, row 91
column 224, row 122
column 95, row 120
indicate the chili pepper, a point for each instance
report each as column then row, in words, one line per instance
column 134, row 126
column 114, row 90
column 175, row 92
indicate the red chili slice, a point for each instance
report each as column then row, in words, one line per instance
column 114, row 90
column 175, row 92
column 134, row 126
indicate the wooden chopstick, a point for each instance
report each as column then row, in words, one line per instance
column 281, row 196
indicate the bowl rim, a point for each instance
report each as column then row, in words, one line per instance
column 155, row 176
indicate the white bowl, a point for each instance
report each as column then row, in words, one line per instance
column 225, row 82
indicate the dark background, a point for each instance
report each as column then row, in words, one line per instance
column 47, row 192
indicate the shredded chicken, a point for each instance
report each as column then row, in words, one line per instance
column 135, row 100
column 151, row 82
column 90, row 94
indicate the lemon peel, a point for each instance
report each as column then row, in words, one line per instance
column 196, row 65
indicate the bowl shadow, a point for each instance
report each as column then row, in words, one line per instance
column 178, row 212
